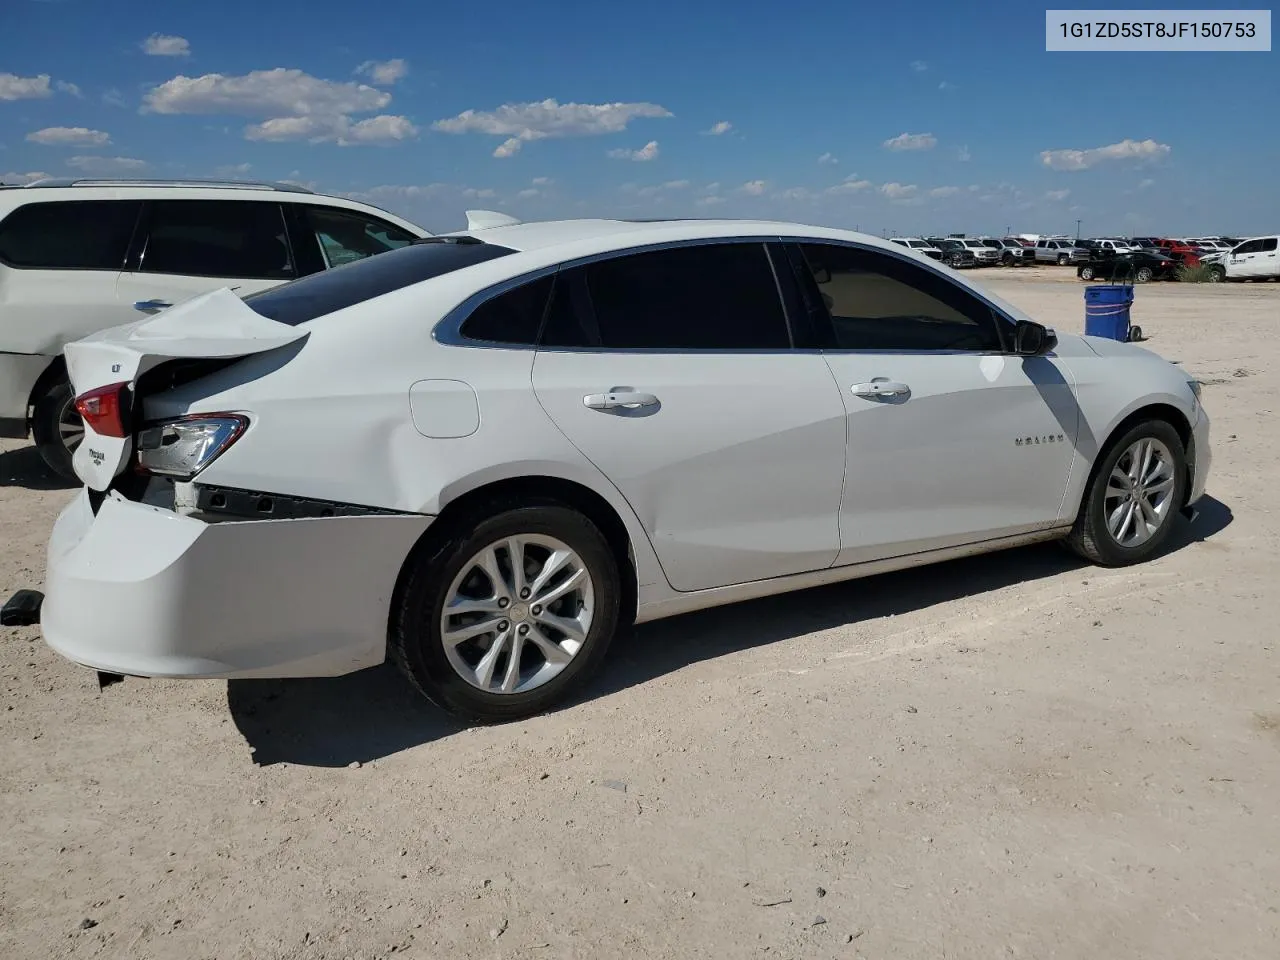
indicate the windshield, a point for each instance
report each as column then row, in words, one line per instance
column 332, row 290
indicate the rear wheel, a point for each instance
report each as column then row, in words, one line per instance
column 1133, row 497
column 1143, row 275
column 505, row 618
column 57, row 429
column 1063, row 259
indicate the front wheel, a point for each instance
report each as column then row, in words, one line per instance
column 1216, row 274
column 1086, row 273
column 1132, row 497
column 57, row 428
column 503, row 619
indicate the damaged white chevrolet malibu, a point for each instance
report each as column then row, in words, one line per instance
column 483, row 454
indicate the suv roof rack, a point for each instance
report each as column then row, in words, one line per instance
column 211, row 184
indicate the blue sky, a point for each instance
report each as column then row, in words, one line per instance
column 906, row 117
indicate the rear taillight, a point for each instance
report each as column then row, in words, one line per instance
column 182, row 448
column 105, row 408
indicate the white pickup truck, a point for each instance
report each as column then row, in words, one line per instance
column 1256, row 259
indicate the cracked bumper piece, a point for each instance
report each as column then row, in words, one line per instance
column 142, row 591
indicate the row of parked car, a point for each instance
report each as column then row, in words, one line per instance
column 1133, row 258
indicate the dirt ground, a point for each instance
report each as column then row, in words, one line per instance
column 1011, row 756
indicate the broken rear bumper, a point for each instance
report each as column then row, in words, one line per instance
column 142, row 591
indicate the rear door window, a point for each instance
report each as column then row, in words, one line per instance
column 345, row 236
column 69, row 235
column 217, row 238
column 514, row 317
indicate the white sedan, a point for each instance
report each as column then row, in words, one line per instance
column 482, row 454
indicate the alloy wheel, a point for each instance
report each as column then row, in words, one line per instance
column 517, row 613
column 1138, row 498
column 70, row 426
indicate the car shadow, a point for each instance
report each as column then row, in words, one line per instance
column 25, row 468
column 364, row 716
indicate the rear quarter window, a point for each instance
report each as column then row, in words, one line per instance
column 69, row 235
column 332, row 290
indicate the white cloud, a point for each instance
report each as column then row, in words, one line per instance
column 944, row 191
column 708, row 201
column 963, row 154
column 508, row 148
column 851, row 184
column 754, row 188
column 919, row 66
column 78, row 136
column 946, row 85
column 163, row 45
column 340, row 130
column 1139, row 150
column 656, row 189
column 21, row 178
column 719, row 129
column 1057, row 195
column 267, row 94
column 529, row 193
column 1143, row 184
column 523, row 122
column 828, row 158
column 63, row 87
column 484, row 193
column 711, row 188
column 234, row 170
column 113, row 98
column 795, row 193
column 911, row 141
column 542, row 181
column 648, row 152
column 107, row 165
column 384, row 72
column 13, row 87
column 899, row 191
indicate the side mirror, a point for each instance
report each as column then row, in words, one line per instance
column 1032, row 339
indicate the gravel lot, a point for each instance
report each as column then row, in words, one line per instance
column 1011, row 756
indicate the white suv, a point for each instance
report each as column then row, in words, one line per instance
column 78, row 256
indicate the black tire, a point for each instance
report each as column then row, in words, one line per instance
column 1135, row 334
column 414, row 640
column 1143, row 275
column 1090, row 537
column 52, row 408
column 1086, row 273
column 1217, row 274
column 1006, row 260
column 1063, row 259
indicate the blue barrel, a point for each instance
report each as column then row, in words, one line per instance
column 1106, row 311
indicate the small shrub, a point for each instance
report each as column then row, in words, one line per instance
column 1200, row 273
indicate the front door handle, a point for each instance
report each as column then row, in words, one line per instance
column 619, row 400
column 879, row 388
column 146, row 306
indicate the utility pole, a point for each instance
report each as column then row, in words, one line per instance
column 1077, row 229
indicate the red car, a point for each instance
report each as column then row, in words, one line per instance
column 1181, row 250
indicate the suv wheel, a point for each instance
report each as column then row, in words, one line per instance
column 1086, row 273
column 57, row 429
column 1063, row 259
column 508, row 615
column 1216, row 274
column 1133, row 497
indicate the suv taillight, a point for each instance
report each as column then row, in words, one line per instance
column 103, row 409
column 182, row 448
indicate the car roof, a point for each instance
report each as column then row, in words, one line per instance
column 579, row 238
column 123, row 189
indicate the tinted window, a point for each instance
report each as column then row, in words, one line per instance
column 1268, row 244
column 511, row 317
column 878, row 302
column 70, row 235
column 332, row 290
column 344, row 236
column 1249, row 246
column 702, row 297
column 217, row 238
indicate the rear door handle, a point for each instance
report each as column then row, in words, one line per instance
column 147, row 305
column 878, row 388
column 619, row 400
